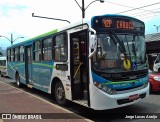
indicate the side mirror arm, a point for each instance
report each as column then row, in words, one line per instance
column 94, row 45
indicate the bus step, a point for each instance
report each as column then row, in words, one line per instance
column 29, row 85
column 81, row 102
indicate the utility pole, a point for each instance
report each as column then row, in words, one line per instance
column 157, row 27
column 11, row 40
column 83, row 6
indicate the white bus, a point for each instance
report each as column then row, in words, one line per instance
column 100, row 63
column 3, row 70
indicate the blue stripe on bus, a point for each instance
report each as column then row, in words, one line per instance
column 119, row 84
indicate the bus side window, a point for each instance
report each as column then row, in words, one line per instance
column 9, row 55
column 13, row 54
column 17, row 56
column 47, row 51
column 60, row 48
column 21, row 53
column 37, row 51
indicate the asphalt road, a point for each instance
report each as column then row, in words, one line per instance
column 148, row 107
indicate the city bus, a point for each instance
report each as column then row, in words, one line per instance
column 3, row 71
column 100, row 63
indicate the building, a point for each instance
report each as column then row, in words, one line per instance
column 152, row 47
column 153, row 43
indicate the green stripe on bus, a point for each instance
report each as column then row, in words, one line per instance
column 45, row 34
column 120, row 82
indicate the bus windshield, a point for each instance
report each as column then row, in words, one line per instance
column 114, row 51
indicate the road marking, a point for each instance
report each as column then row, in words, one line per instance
column 52, row 104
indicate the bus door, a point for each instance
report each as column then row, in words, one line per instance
column 79, row 66
column 28, row 64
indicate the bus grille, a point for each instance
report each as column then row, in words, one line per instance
column 124, row 101
column 124, row 76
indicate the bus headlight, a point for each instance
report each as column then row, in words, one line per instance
column 104, row 88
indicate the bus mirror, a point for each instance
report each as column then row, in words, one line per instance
column 93, row 44
column 93, row 41
column 109, row 41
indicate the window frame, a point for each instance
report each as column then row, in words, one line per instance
column 12, row 54
column 64, row 46
column 21, row 53
column 49, row 38
column 17, row 53
column 9, row 56
column 37, row 51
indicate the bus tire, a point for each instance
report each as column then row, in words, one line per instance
column 17, row 79
column 60, row 94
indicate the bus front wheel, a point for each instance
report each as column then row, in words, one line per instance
column 60, row 94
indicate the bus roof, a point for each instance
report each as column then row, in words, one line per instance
column 45, row 34
column 37, row 37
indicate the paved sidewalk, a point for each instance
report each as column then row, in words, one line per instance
column 24, row 106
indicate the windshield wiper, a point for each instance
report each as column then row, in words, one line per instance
column 121, row 44
column 134, row 49
column 117, row 41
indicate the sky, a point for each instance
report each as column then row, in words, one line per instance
column 16, row 15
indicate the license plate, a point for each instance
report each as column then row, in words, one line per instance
column 133, row 97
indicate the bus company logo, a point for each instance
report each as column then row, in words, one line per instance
column 21, row 116
column 6, row 116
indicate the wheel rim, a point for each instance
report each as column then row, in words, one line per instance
column 60, row 93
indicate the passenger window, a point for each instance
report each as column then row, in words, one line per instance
column 47, row 50
column 17, row 54
column 9, row 55
column 60, row 48
column 37, row 51
column 21, row 53
column 12, row 54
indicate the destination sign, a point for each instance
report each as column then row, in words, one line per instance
column 118, row 23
